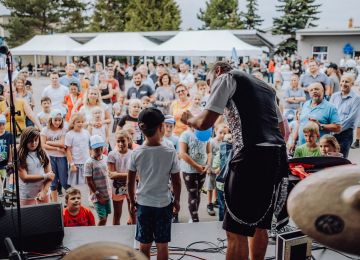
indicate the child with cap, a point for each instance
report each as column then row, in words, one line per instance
column 84, row 83
column 154, row 163
column 53, row 141
column 169, row 128
column 96, row 173
column 6, row 141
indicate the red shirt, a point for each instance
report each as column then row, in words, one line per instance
column 83, row 218
column 70, row 105
column 115, row 84
column 271, row 67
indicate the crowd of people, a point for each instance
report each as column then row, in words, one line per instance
column 70, row 145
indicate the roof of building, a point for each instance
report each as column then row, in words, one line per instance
column 318, row 32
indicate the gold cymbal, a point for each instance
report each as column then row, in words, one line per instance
column 326, row 207
column 105, row 251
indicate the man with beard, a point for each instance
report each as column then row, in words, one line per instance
column 257, row 137
column 320, row 111
column 139, row 89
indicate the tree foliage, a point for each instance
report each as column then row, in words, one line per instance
column 220, row 15
column 252, row 20
column 73, row 18
column 109, row 16
column 153, row 15
column 31, row 17
column 295, row 16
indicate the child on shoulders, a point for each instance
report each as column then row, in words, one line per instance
column 310, row 148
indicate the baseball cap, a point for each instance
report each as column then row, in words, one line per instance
column 333, row 65
column 161, row 63
column 170, row 119
column 150, row 118
column 2, row 119
column 81, row 71
column 73, row 82
column 54, row 113
column 96, row 141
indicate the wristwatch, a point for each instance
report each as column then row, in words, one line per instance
column 176, row 201
column 321, row 127
column 71, row 164
column 96, row 192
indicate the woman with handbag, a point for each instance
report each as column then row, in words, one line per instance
column 165, row 94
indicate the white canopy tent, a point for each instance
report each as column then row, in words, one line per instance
column 127, row 44
column 54, row 45
column 204, row 43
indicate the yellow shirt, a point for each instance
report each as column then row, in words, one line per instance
column 84, row 85
column 19, row 106
column 177, row 111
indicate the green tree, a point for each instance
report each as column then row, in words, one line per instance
column 252, row 20
column 109, row 16
column 153, row 15
column 296, row 14
column 220, row 15
column 73, row 18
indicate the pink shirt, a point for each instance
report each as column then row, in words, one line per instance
column 54, row 136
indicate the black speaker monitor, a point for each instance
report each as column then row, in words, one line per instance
column 42, row 227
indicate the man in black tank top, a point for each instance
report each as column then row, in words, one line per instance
column 256, row 174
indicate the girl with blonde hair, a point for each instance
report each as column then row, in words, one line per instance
column 77, row 149
column 92, row 98
column 22, row 93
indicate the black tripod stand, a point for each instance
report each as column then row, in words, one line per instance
column 9, row 62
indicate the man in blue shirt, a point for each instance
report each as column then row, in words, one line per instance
column 314, row 76
column 65, row 80
column 347, row 102
column 320, row 111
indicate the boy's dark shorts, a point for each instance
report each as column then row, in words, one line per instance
column 153, row 224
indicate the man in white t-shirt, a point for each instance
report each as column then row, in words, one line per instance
column 342, row 62
column 13, row 76
column 185, row 77
column 56, row 92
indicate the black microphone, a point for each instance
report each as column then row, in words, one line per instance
column 13, row 254
column 4, row 50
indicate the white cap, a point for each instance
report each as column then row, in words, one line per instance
column 2, row 119
column 96, row 141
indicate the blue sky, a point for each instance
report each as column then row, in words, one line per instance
column 335, row 13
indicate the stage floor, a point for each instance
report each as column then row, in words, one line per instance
column 181, row 236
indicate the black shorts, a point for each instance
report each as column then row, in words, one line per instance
column 249, row 193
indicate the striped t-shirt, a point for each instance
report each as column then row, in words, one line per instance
column 98, row 170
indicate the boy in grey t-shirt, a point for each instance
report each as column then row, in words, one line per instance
column 154, row 163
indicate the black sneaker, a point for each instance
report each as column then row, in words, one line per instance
column 60, row 194
column 216, row 203
column 355, row 145
column 210, row 209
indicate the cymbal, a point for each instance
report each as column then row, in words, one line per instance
column 326, row 207
column 105, row 251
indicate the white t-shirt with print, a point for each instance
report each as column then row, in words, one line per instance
column 54, row 136
column 29, row 191
column 120, row 164
column 79, row 143
column 43, row 118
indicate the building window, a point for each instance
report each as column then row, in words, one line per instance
column 321, row 52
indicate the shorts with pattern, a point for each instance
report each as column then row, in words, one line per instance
column 154, row 224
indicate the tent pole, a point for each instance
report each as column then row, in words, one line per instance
column 91, row 60
column 191, row 65
column 35, row 66
column 145, row 59
column 98, row 60
column 104, row 61
column 67, row 59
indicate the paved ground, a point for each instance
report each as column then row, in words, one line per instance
column 41, row 82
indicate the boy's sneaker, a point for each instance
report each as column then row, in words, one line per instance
column 216, row 203
column 355, row 145
column 203, row 191
column 191, row 220
column 175, row 218
column 210, row 209
column 10, row 190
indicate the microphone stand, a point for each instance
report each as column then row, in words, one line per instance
column 14, row 132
